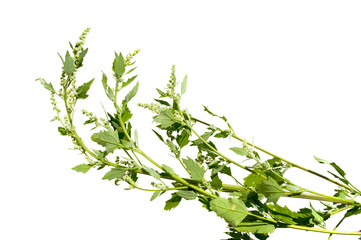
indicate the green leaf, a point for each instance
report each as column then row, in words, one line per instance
column 223, row 134
column 118, row 65
column 161, row 93
column 166, row 119
column 158, row 135
column 321, row 160
column 168, row 169
column 131, row 70
column 162, row 102
column 129, row 81
column 107, row 89
column 353, row 211
column 108, row 139
column 115, row 173
column 184, row 85
column 83, row 168
column 131, row 94
column 232, row 210
column 126, row 114
column 318, row 218
column 155, row 195
column 183, row 138
column 81, row 92
column 215, row 115
column 205, row 137
column 338, row 169
column 69, row 66
column 271, row 189
column 252, row 180
column 173, row 202
column 62, row 131
column 196, row 172
column 152, row 172
column 188, row 195
column 79, row 63
column 240, row 151
column 334, row 165
column 46, row 85
column 256, row 227
column 283, row 214
column 216, row 182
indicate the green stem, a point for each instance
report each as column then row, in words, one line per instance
column 223, row 156
column 295, row 165
column 313, row 229
column 286, row 161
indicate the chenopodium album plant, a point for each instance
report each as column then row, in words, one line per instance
column 249, row 205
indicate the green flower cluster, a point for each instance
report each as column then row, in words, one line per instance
column 129, row 57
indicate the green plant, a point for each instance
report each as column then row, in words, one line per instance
column 248, row 205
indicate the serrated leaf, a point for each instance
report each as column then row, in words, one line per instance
column 256, row 227
column 196, row 172
column 83, row 168
column 129, row 81
column 271, row 189
column 69, row 66
column 165, row 119
column 252, row 180
column 108, row 139
column 81, row 57
column 118, row 65
column 232, row 210
column 239, row 151
column 115, row 173
column 126, row 114
column 216, row 182
column 62, row 131
column 107, row 89
column 81, row 92
column 152, row 172
column 213, row 114
column 183, row 138
column 131, row 94
column 46, row 85
column 283, row 214
column 188, row 195
column 173, row 202
column 184, row 85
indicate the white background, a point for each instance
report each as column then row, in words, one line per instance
column 285, row 73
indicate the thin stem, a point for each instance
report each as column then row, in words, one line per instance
column 294, row 164
column 313, row 229
column 223, row 156
column 286, row 161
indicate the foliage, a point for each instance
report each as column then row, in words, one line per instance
column 249, row 205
